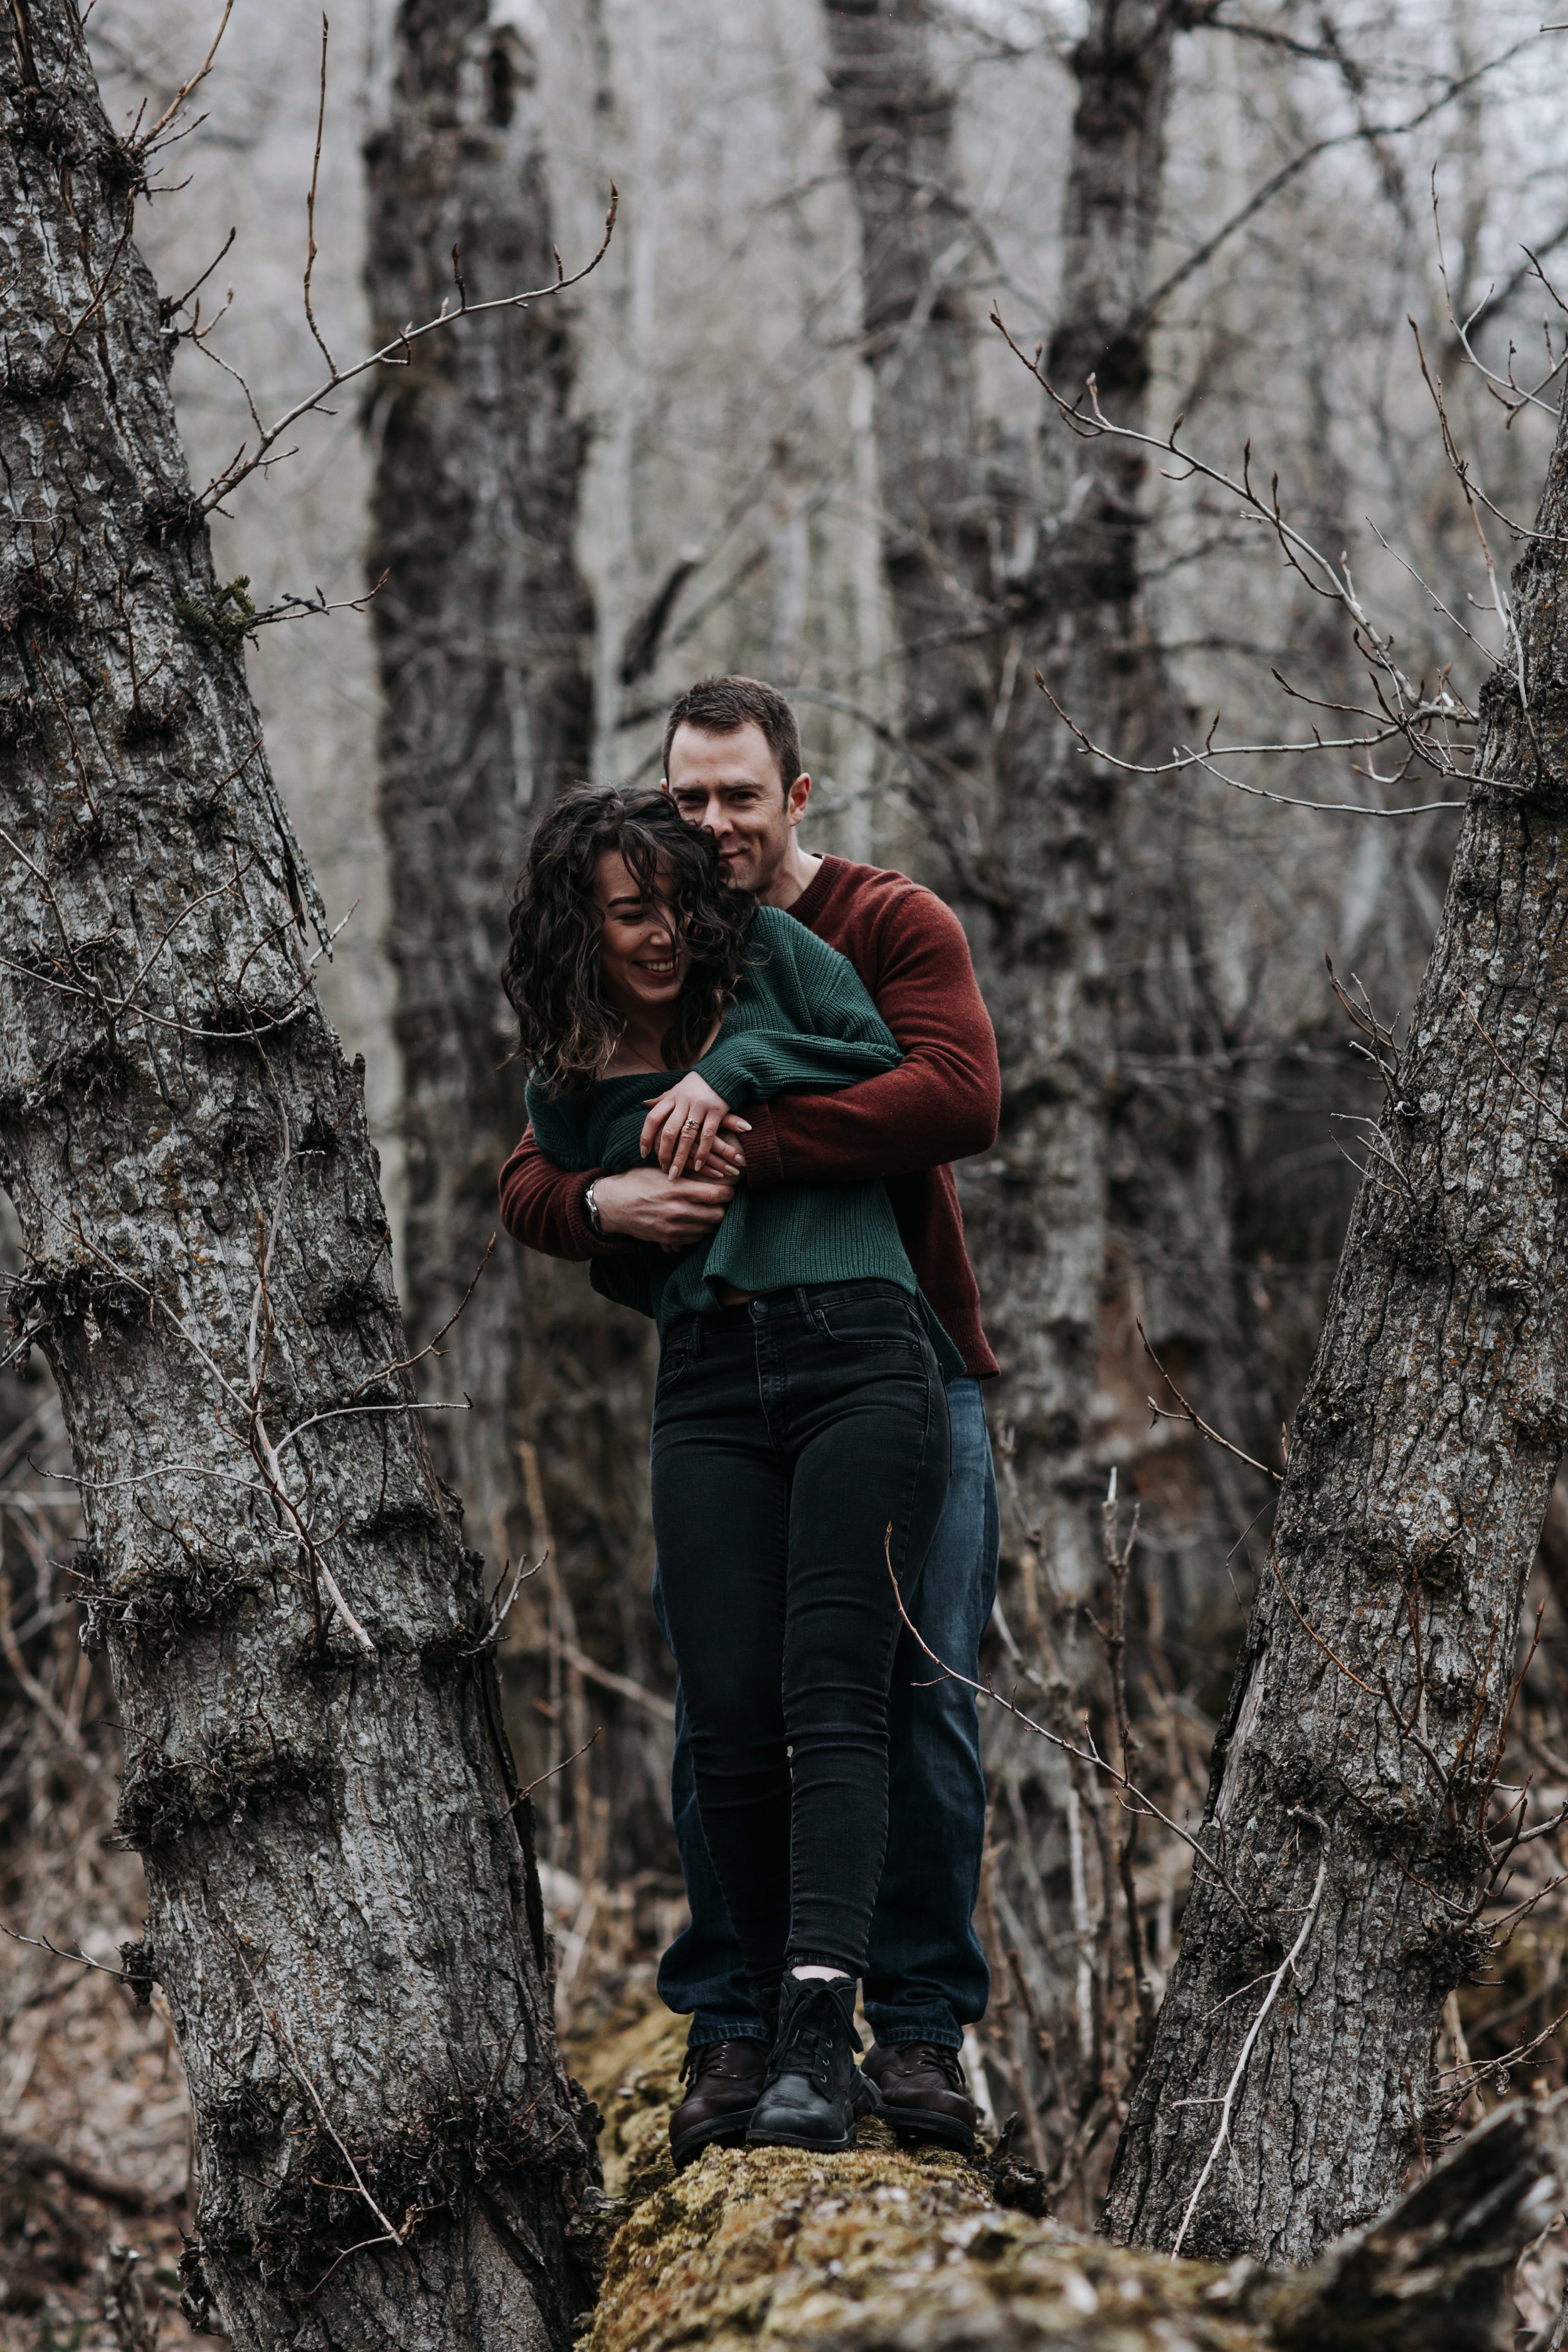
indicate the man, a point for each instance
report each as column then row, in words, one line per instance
column 732, row 765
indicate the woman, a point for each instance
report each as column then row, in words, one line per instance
column 800, row 1436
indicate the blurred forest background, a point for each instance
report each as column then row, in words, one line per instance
column 692, row 464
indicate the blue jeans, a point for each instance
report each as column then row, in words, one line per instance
column 926, row 1976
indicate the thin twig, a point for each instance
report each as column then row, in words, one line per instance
column 150, row 138
column 1189, row 1413
column 556, row 1768
column 395, row 353
column 1274, row 1556
column 311, row 205
column 1090, row 1755
column 81, row 1959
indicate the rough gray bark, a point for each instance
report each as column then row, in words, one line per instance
column 341, row 1911
column 483, row 630
column 1421, row 1459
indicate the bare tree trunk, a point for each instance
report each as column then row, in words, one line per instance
column 484, row 628
column 1350, row 1797
column 1030, row 840
column 1107, row 1197
column 481, row 628
column 1055, row 933
column 938, row 505
column 340, row 1909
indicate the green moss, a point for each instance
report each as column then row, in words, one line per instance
column 877, row 2250
column 881, row 2248
column 228, row 620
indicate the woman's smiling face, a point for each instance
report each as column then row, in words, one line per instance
column 642, row 955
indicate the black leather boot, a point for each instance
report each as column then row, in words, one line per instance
column 815, row 2095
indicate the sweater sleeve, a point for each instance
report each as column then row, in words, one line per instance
column 942, row 1101
column 820, row 1028
column 543, row 1206
column 561, row 1126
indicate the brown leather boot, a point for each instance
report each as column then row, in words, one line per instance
column 924, row 2094
column 724, row 2082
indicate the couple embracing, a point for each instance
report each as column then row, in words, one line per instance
column 749, row 1070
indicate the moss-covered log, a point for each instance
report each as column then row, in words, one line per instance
column 881, row 2251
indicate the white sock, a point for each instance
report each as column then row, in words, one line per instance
column 825, row 1976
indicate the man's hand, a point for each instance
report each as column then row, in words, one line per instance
column 681, row 1124
column 647, row 1206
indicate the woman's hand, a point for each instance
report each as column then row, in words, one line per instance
column 681, row 1124
column 727, row 1152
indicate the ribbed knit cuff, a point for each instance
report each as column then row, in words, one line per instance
column 725, row 1072
column 764, row 1160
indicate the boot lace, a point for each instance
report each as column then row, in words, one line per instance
column 699, row 2062
column 935, row 2054
column 808, row 2049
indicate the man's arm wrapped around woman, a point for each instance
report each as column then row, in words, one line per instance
column 802, row 1018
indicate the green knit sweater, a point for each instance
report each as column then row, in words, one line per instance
column 801, row 1020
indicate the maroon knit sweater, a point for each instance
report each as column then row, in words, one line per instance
column 940, row 1104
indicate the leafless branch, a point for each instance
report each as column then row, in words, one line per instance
column 311, row 205
column 560, row 1767
column 1364, row 133
column 1184, row 757
column 1189, row 1413
column 148, row 139
column 1089, row 1755
column 395, row 353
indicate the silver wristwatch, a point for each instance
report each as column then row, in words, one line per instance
column 592, row 1206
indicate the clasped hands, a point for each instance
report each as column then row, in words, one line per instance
column 692, row 1140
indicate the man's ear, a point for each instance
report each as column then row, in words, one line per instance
column 796, row 798
column 664, row 783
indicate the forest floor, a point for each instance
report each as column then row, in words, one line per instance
column 88, row 2077
column 92, row 2087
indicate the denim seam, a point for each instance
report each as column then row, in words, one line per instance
column 942, row 2037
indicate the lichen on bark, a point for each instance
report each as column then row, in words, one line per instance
column 1383, row 1647
column 340, row 1908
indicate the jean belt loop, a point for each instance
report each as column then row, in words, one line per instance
column 697, row 1341
column 804, row 1303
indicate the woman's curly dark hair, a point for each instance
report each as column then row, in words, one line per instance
column 567, row 1029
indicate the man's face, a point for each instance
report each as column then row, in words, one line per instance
column 730, row 786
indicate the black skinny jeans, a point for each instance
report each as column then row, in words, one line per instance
column 788, row 1436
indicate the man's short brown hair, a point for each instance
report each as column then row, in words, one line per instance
column 719, row 705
